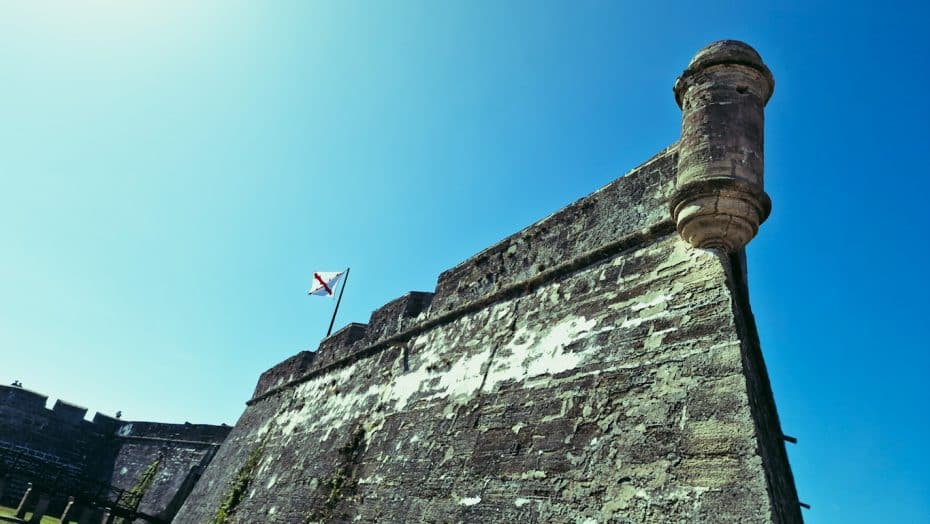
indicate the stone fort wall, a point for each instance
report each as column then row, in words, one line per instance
column 602, row 365
column 113, row 451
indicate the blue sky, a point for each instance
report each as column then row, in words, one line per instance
column 171, row 174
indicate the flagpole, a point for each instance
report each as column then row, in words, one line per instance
column 341, row 291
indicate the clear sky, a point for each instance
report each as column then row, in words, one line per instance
column 171, row 174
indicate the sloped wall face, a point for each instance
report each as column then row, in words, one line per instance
column 155, row 471
column 610, row 388
column 614, row 393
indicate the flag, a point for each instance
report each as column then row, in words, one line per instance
column 324, row 283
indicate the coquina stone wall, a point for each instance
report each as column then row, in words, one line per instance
column 161, row 462
column 167, row 459
column 594, row 367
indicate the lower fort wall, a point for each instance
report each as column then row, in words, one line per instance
column 156, row 460
column 58, row 438
column 159, row 469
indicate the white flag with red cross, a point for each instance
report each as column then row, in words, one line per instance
column 324, row 283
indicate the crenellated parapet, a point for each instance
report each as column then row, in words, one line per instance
column 69, row 412
column 185, row 433
column 398, row 315
column 20, row 404
column 21, row 398
column 341, row 344
column 599, row 220
column 284, row 372
column 612, row 218
column 106, row 423
column 388, row 321
column 25, row 410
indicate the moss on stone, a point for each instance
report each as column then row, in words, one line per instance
column 344, row 480
column 144, row 482
column 239, row 486
column 134, row 496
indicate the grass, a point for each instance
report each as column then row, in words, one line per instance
column 9, row 512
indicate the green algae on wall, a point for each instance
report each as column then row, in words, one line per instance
column 145, row 481
column 238, row 486
column 344, row 480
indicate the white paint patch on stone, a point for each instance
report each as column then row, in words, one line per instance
column 264, row 463
column 464, row 378
column 529, row 354
column 469, row 501
column 654, row 301
column 461, row 379
column 685, row 493
column 636, row 321
column 374, row 479
column 654, row 340
column 326, row 409
column 323, row 409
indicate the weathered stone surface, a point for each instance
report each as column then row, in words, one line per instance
column 611, row 213
column 398, row 315
column 593, row 367
column 616, row 393
column 341, row 344
column 286, row 371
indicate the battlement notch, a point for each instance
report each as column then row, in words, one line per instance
column 69, row 412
